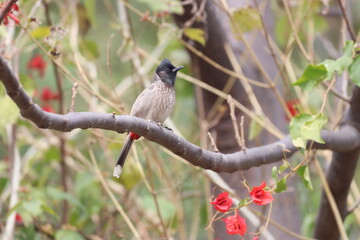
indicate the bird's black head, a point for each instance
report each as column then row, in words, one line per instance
column 167, row 72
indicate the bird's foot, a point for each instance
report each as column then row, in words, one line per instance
column 161, row 125
column 167, row 128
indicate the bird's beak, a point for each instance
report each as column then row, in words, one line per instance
column 177, row 68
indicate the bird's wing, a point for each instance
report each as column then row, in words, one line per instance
column 144, row 102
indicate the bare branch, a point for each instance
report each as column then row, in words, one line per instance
column 346, row 139
column 73, row 96
column 347, row 21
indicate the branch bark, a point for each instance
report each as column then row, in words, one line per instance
column 346, row 139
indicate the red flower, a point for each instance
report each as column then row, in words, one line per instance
column 18, row 218
column 47, row 94
column 222, row 203
column 292, row 106
column 10, row 14
column 235, row 224
column 260, row 196
column 48, row 108
column 255, row 238
column 37, row 63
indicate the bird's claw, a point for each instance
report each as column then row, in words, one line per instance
column 161, row 125
column 167, row 128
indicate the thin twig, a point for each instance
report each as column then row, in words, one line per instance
column 326, row 94
column 353, row 207
column 251, row 52
column 108, row 54
column 151, row 186
column 346, row 18
column 336, row 93
column 272, row 52
column 14, row 157
column 73, row 96
column 295, row 35
column 213, row 144
column 108, row 191
column 242, row 133
column 234, row 121
column 247, row 87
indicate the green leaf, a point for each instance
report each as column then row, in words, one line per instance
column 90, row 6
column 311, row 129
column 354, row 71
column 304, row 173
column 281, row 186
column 196, row 34
column 305, row 127
column 68, row 235
column 246, row 19
column 40, row 32
column 33, row 206
column 9, row 112
column 255, row 129
column 59, row 195
column 49, row 210
column 343, row 62
column 274, row 173
column 283, row 167
column 89, row 49
column 3, row 182
column 313, row 75
column 243, row 201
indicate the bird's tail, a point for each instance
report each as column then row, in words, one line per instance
column 123, row 154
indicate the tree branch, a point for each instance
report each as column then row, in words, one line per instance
column 346, row 139
column 347, row 21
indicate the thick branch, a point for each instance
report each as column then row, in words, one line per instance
column 347, row 139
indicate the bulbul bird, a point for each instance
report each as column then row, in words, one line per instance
column 155, row 103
